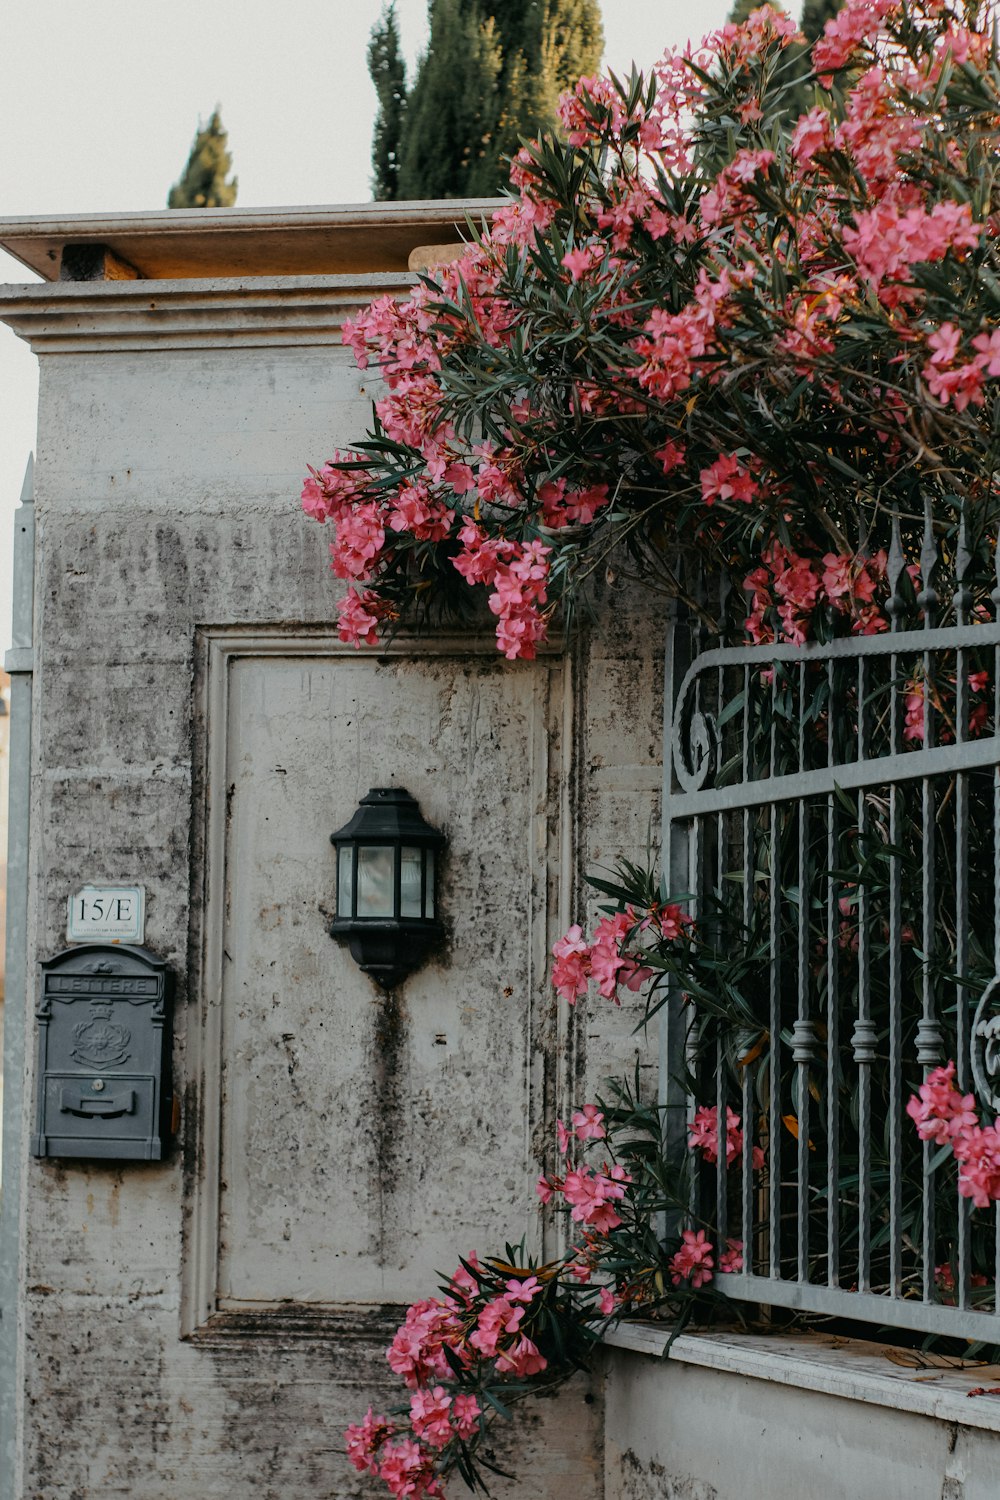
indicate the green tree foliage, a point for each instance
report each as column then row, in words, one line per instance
column 815, row 14
column 388, row 71
column 452, row 111
column 203, row 183
column 491, row 75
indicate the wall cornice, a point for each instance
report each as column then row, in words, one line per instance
column 117, row 316
column 318, row 240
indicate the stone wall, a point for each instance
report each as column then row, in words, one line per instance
column 205, row 1326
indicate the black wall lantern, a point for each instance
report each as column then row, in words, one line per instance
column 386, row 868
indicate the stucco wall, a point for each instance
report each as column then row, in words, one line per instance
column 206, row 1326
column 679, row 1429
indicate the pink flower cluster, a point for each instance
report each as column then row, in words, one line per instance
column 694, row 1261
column 590, row 1192
column 727, row 479
column 406, row 1467
column 949, row 1118
column 587, row 1125
column 850, row 27
column 792, row 587
column 703, row 1136
column 955, row 376
column 914, row 726
column 437, row 1337
column 605, row 959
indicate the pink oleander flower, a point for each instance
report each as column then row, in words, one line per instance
column 359, row 616
column 590, row 1194
column 812, row 134
column 588, row 1123
column 858, row 20
column 498, row 1317
column 571, row 970
column 727, row 479
column 463, row 1284
column 913, row 702
column 523, row 1291
column 606, row 1301
column 947, row 1117
column 694, row 1261
column 579, row 262
column 977, row 1151
column 408, row 1470
column 563, row 1138
column 416, row 1352
column 430, row 1410
column 608, row 964
column 465, row 1413
column 545, row 1187
column 522, row 1358
column 703, row 1136
column 731, row 1259
column 365, row 1439
column 672, row 922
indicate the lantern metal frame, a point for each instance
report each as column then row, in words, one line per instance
column 388, row 946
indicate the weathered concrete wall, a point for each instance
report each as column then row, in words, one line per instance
column 206, row 1326
column 676, row 1430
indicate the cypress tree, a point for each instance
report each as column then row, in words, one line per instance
column 203, row 182
column 452, row 109
column 388, row 72
column 492, row 74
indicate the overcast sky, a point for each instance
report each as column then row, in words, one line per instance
column 100, row 103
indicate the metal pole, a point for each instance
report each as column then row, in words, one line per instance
column 19, row 663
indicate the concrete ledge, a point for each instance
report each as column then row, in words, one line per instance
column 77, row 317
column 852, row 1369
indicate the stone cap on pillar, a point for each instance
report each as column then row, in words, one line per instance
column 209, row 243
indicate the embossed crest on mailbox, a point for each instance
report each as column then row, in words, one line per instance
column 104, row 1040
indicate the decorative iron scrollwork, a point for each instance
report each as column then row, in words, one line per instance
column 695, row 746
column 986, row 1046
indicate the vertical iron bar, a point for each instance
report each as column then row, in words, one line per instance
column 832, row 1006
column 749, row 868
column 962, row 600
column 995, row 595
column 803, row 1046
column 865, row 1036
column 929, row 1038
column 896, row 606
column 721, row 1081
column 774, row 1042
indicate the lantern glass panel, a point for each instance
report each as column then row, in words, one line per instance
column 410, row 881
column 429, row 893
column 375, row 881
column 345, row 880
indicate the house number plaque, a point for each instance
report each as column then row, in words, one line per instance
column 107, row 913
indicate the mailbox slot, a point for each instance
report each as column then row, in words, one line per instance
column 104, row 1041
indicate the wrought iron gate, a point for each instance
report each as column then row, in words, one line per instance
column 832, row 815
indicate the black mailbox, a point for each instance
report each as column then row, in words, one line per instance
column 104, row 1041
